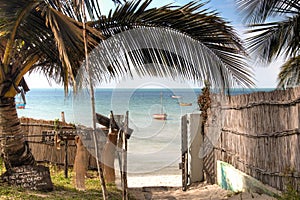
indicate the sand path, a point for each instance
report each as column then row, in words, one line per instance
column 169, row 188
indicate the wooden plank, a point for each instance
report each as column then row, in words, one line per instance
column 66, row 159
column 124, row 159
column 184, row 152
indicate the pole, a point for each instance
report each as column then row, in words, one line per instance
column 161, row 105
column 91, row 88
column 66, row 158
column 124, row 159
column 63, row 116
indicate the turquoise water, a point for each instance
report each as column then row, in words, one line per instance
column 154, row 145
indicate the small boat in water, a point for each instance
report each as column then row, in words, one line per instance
column 161, row 115
column 176, row 97
column 185, row 104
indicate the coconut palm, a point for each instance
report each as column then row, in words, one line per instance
column 29, row 32
column 47, row 36
column 279, row 37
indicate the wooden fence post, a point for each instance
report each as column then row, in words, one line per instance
column 66, row 158
column 124, row 159
column 63, row 116
column 184, row 152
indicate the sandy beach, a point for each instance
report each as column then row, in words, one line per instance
column 154, row 181
column 169, row 187
column 161, row 185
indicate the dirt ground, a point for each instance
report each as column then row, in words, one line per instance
column 199, row 191
column 168, row 187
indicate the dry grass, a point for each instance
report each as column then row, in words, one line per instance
column 63, row 189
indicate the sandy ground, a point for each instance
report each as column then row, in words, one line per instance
column 169, row 188
column 154, row 181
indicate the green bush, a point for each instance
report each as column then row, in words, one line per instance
column 290, row 194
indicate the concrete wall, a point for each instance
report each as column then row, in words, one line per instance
column 195, row 145
column 230, row 178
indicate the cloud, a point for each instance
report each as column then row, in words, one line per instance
column 266, row 75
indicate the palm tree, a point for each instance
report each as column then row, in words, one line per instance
column 29, row 32
column 47, row 36
column 279, row 37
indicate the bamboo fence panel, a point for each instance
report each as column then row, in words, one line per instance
column 47, row 151
column 259, row 135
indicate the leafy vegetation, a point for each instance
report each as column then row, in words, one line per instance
column 290, row 194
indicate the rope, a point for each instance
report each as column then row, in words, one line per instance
column 275, row 134
column 263, row 103
column 53, row 133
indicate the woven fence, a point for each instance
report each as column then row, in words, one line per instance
column 259, row 134
column 40, row 135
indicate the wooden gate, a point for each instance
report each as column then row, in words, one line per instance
column 191, row 149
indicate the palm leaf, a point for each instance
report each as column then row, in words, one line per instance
column 202, row 26
column 38, row 38
column 289, row 73
column 257, row 11
column 62, row 61
column 11, row 28
column 274, row 39
column 72, row 8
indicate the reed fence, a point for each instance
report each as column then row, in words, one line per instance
column 259, row 134
column 40, row 135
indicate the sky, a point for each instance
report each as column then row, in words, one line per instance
column 265, row 75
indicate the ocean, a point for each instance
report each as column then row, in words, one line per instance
column 155, row 145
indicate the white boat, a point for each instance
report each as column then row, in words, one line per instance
column 176, row 97
column 161, row 115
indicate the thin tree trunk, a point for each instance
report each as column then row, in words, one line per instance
column 14, row 149
column 91, row 89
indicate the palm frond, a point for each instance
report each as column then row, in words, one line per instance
column 72, row 8
column 11, row 28
column 257, row 11
column 273, row 39
column 289, row 75
column 57, row 39
column 40, row 31
column 202, row 26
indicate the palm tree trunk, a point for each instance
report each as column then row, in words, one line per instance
column 14, row 149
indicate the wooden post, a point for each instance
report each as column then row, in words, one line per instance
column 124, row 159
column 66, row 158
column 63, row 116
column 120, row 153
column 184, row 152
